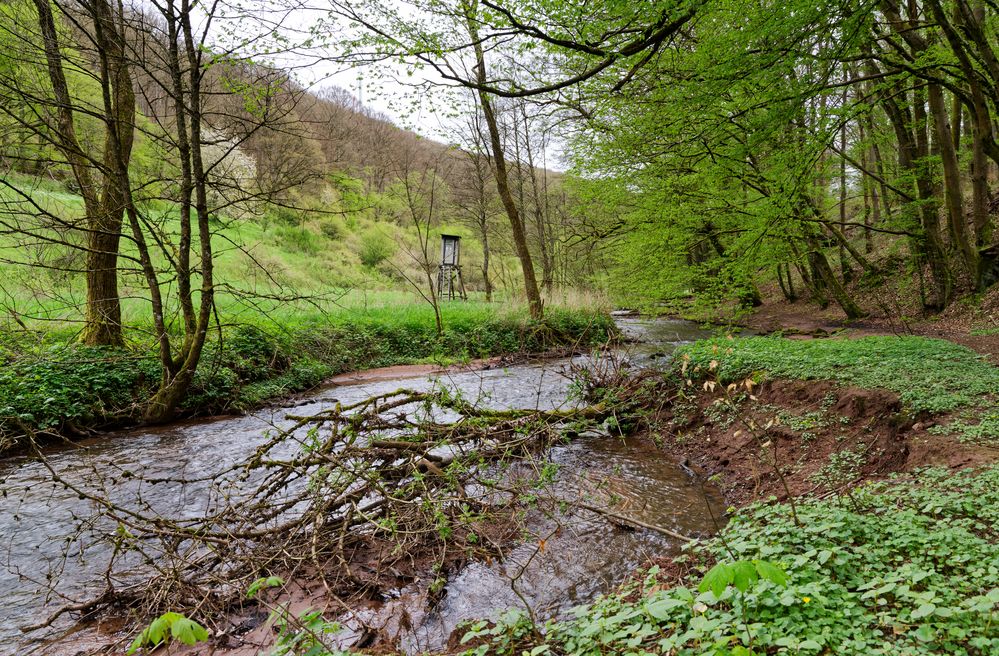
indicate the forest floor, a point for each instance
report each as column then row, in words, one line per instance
column 973, row 323
column 829, row 417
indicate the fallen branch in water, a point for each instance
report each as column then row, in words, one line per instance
column 405, row 474
column 361, row 497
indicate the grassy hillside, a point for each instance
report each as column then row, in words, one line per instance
column 301, row 295
column 354, row 252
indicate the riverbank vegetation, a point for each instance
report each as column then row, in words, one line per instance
column 903, row 566
column 68, row 388
column 194, row 220
column 854, row 527
column 929, row 375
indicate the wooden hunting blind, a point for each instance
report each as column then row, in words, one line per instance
column 449, row 281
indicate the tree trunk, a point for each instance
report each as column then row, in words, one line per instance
column 502, row 177
column 178, row 373
column 484, row 237
column 952, row 181
column 103, row 202
column 844, row 263
column 102, row 323
column 820, row 265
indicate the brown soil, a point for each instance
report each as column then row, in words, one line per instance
column 418, row 370
column 409, row 371
column 813, row 421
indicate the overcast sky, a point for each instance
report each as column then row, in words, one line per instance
column 384, row 87
column 418, row 101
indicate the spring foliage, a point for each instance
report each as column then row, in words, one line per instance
column 905, row 567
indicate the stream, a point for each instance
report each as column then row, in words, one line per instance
column 39, row 545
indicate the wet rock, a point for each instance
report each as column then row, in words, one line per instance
column 593, row 433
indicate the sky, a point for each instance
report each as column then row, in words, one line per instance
column 407, row 99
column 417, row 100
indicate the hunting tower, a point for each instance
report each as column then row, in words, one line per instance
column 449, row 281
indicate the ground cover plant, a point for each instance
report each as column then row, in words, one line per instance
column 908, row 566
column 929, row 375
column 58, row 385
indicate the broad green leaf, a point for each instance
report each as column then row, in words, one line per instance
column 717, row 579
column 188, row 631
column 770, row 572
column 660, row 608
column 743, row 575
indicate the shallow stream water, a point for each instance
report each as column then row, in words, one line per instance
column 586, row 557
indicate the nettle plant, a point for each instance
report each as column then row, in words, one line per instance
column 168, row 627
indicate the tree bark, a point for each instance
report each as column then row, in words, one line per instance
column 502, row 174
column 820, row 265
column 104, row 202
column 952, row 180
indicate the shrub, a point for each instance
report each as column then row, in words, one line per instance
column 333, row 228
column 375, row 248
column 73, row 384
column 301, row 240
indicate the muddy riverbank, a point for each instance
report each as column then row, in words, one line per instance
column 813, row 425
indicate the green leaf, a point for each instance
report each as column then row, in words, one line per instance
column 770, row 572
column 138, row 642
column 925, row 633
column 266, row 582
column 660, row 609
column 743, row 575
column 717, row 579
column 188, row 631
column 157, row 628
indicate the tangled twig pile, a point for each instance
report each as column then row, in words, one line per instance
column 355, row 496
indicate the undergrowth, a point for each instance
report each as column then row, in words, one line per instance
column 57, row 385
column 981, row 428
column 909, row 566
column 929, row 375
